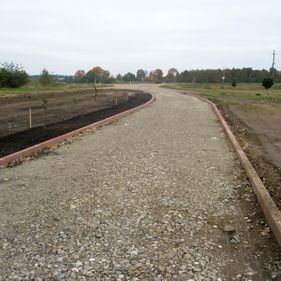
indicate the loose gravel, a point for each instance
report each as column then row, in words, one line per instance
column 158, row 195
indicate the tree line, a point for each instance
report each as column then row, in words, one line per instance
column 242, row 75
column 12, row 76
column 99, row 75
column 234, row 76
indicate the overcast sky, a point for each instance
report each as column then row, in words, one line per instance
column 121, row 35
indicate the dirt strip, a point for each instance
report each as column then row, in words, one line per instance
column 270, row 210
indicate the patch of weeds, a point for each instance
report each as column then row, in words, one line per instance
column 76, row 100
column 258, row 108
column 45, row 102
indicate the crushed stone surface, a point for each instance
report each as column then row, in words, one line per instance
column 145, row 198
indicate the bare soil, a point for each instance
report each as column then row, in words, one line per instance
column 257, row 127
column 56, row 114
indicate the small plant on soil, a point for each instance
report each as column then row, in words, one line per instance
column 76, row 100
column 45, row 102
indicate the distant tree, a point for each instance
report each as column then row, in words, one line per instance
column 172, row 75
column 267, row 83
column 156, row 76
column 111, row 79
column 79, row 76
column 45, row 78
column 90, row 76
column 106, row 76
column 140, row 75
column 234, row 83
column 119, row 77
column 146, row 74
column 97, row 74
column 129, row 77
column 12, row 76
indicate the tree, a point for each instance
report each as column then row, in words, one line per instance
column 234, row 83
column 145, row 74
column 12, row 76
column 97, row 74
column 106, row 76
column 140, row 75
column 90, row 76
column 129, row 77
column 267, row 83
column 172, row 75
column 119, row 77
column 79, row 76
column 111, row 78
column 45, row 78
column 156, row 76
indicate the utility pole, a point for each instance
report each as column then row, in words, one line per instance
column 273, row 63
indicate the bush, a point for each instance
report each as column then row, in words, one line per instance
column 233, row 83
column 267, row 83
column 12, row 76
column 45, row 78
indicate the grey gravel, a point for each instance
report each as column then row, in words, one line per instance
column 145, row 198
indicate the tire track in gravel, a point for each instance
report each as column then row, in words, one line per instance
column 143, row 199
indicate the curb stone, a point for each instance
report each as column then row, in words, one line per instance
column 269, row 208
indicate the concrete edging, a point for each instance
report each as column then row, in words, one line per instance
column 19, row 155
column 269, row 208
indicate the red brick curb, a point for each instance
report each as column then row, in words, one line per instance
column 19, row 155
column 269, row 208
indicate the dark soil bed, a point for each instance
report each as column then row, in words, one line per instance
column 23, row 139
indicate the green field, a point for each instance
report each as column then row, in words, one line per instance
column 228, row 95
column 36, row 88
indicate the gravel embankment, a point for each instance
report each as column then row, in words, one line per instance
column 145, row 198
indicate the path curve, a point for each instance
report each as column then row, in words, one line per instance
column 145, row 198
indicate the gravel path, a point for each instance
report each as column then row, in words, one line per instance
column 146, row 198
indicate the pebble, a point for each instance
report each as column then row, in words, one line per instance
column 229, row 228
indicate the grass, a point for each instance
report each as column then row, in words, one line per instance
column 265, row 108
column 244, row 92
column 33, row 88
